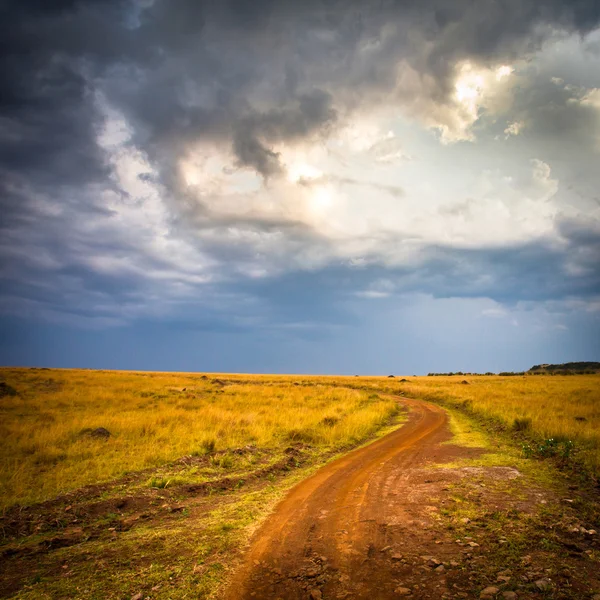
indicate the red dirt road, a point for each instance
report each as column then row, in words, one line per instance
column 339, row 533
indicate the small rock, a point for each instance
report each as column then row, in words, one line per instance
column 403, row 591
column 440, row 569
column 489, row 591
column 433, row 562
column 138, row 596
column 386, row 549
column 592, row 532
column 465, row 520
column 543, row 584
column 315, row 594
column 397, row 556
column 503, row 579
column 509, row 595
column 474, row 544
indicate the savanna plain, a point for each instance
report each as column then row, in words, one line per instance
column 153, row 485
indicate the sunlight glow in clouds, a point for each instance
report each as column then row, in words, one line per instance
column 474, row 88
column 300, row 171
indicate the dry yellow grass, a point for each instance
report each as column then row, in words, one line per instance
column 153, row 420
column 45, row 451
column 559, row 407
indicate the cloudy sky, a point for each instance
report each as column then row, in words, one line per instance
column 350, row 186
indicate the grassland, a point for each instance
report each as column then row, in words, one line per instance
column 562, row 408
column 192, row 465
column 46, row 447
column 153, row 418
column 195, row 462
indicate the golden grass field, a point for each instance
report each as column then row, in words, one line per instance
column 560, row 407
column 247, row 438
column 157, row 417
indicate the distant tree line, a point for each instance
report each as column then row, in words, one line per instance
column 450, row 373
column 567, row 368
column 572, row 368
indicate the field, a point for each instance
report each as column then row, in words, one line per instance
column 163, row 477
column 48, row 448
column 562, row 408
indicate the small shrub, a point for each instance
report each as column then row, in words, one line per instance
column 226, row 461
column 209, row 445
column 550, row 448
column 567, row 449
column 7, row 390
column 528, row 451
column 522, row 424
column 329, row 421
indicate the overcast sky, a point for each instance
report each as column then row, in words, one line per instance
column 325, row 186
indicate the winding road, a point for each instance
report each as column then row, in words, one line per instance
column 335, row 533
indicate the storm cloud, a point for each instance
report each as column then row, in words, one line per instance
column 244, row 165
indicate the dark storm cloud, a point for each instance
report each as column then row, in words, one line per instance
column 246, row 75
column 52, row 53
column 310, row 112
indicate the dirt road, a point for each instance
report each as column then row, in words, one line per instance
column 342, row 532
